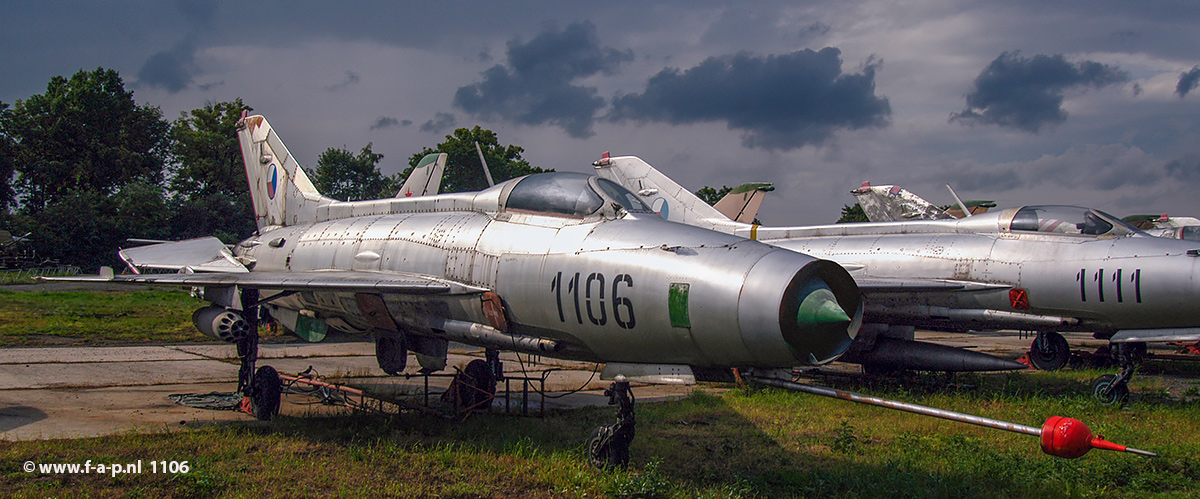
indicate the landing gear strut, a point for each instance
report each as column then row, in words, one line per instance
column 1113, row 389
column 262, row 388
column 1049, row 351
column 609, row 445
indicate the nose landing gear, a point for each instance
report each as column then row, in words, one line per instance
column 1113, row 389
column 609, row 445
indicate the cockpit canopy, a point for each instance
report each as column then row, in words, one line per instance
column 569, row 193
column 1070, row 220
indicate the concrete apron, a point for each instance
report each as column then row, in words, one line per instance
column 70, row 392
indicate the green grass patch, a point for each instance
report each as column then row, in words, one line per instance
column 49, row 318
column 754, row 443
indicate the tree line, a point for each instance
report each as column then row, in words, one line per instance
column 84, row 168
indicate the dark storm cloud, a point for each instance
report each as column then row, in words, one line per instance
column 981, row 179
column 200, row 13
column 1097, row 168
column 779, row 101
column 1188, row 81
column 387, row 122
column 1027, row 93
column 351, row 79
column 440, row 123
column 815, row 29
column 535, row 87
column 170, row 70
column 1186, row 168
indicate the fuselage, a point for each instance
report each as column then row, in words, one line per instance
column 611, row 283
column 1014, row 272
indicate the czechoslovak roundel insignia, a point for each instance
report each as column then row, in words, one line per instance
column 660, row 206
column 272, row 181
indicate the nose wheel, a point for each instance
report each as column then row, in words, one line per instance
column 609, row 445
column 1049, row 351
column 1113, row 389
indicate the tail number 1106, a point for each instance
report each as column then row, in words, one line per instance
column 594, row 304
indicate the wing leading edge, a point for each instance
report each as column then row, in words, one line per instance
column 311, row 280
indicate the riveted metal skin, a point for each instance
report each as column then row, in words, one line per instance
column 609, row 278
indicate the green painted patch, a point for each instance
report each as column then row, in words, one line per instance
column 677, row 304
column 753, row 186
column 312, row 330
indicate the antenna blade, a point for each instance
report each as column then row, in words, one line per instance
column 966, row 211
column 483, row 162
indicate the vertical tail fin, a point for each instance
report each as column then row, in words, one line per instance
column 742, row 203
column 426, row 177
column 282, row 193
column 889, row 203
column 661, row 193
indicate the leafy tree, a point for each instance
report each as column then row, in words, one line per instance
column 89, row 167
column 7, row 152
column 85, row 134
column 851, row 214
column 139, row 210
column 86, row 228
column 342, row 175
column 711, row 196
column 463, row 171
column 205, row 149
column 208, row 178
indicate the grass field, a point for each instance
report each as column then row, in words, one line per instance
column 742, row 443
column 748, row 443
column 60, row 318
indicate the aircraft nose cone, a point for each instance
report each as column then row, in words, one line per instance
column 820, row 307
column 821, row 331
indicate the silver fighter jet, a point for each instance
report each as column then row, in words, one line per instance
column 559, row 264
column 562, row 264
column 1039, row 268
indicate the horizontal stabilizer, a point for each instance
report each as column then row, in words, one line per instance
column 205, row 254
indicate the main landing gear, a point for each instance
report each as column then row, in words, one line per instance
column 261, row 389
column 1049, row 351
column 609, row 445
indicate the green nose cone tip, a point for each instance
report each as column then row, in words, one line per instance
column 820, row 307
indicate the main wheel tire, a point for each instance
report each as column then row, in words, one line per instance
column 482, row 385
column 1049, row 351
column 266, row 389
column 1116, row 396
column 599, row 450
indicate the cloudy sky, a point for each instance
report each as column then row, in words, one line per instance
column 1074, row 102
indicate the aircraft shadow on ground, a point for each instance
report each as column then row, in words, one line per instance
column 760, row 442
column 16, row 416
